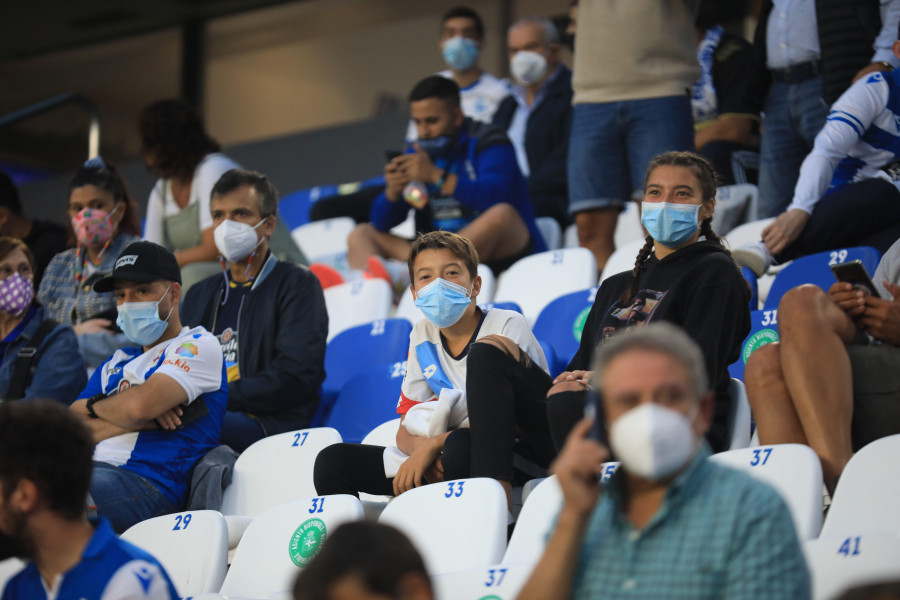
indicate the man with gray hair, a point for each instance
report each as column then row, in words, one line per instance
column 268, row 315
column 537, row 115
column 669, row 523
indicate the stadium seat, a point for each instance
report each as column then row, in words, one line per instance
column 550, row 231
column 628, row 226
column 738, row 416
column 294, row 207
column 839, row 563
column 366, row 400
column 816, row 268
column 560, row 323
column 794, row 471
column 752, row 281
column 763, row 330
column 735, row 204
column 456, row 525
column 570, row 237
column 192, row 546
column 622, row 259
column 357, row 302
column 276, row 469
column 9, row 568
column 748, row 233
column 497, row 582
column 323, row 238
column 553, row 362
column 535, row 281
column 406, row 309
column 866, row 499
column 535, row 521
column 381, row 342
column 282, row 540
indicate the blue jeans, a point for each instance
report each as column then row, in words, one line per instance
column 239, row 430
column 794, row 115
column 612, row 143
column 126, row 498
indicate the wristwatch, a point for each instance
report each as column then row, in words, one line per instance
column 90, row 405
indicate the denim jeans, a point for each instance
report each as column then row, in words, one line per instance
column 126, row 498
column 612, row 143
column 240, row 430
column 794, row 115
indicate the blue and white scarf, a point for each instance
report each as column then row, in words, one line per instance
column 703, row 100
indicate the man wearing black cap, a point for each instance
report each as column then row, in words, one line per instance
column 156, row 409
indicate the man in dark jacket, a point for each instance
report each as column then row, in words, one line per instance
column 537, row 115
column 268, row 315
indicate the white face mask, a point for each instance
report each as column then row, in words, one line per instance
column 236, row 241
column 653, row 441
column 528, row 67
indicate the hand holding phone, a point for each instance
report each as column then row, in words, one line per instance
column 854, row 273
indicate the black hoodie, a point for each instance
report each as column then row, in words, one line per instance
column 698, row 288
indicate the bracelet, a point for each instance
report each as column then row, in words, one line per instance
column 887, row 66
column 90, row 405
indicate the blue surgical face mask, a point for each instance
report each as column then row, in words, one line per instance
column 668, row 223
column 436, row 147
column 443, row 302
column 140, row 321
column 460, row 53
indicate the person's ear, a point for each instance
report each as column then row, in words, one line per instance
column 175, row 293
column 707, row 209
column 269, row 226
column 458, row 117
column 26, row 497
column 476, row 286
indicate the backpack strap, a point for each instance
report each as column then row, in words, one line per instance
column 23, row 367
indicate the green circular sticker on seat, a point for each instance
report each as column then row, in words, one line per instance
column 492, row 597
column 306, row 541
column 758, row 340
column 578, row 325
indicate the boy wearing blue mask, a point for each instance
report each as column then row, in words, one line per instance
column 456, row 423
column 157, row 408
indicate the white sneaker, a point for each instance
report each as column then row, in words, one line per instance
column 755, row 257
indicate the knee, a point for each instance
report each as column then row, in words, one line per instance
column 456, row 455
column 801, row 303
column 328, row 463
column 503, row 343
column 362, row 233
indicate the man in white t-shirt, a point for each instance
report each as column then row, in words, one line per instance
column 156, row 409
column 461, row 41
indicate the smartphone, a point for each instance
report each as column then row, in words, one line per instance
column 593, row 407
column 392, row 154
column 854, row 272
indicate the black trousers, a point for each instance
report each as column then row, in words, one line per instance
column 507, row 416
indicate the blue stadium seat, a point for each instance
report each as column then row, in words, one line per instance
column 750, row 276
column 550, row 355
column 503, row 305
column 561, row 322
column 816, row 269
column 379, row 343
column 366, row 401
column 294, row 207
column 763, row 330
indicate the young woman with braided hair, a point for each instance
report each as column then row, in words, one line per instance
column 683, row 275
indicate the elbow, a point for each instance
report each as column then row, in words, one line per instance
column 139, row 414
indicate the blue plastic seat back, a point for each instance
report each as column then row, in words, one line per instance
column 366, row 401
column 377, row 343
column 750, row 276
column 503, row 305
column 294, row 207
column 816, row 269
column 561, row 322
column 763, row 330
column 550, row 355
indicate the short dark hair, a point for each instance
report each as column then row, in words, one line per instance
column 436, row 86
column 173, row 133
column 236, row 178
column 106, row 176
column 461, row 248
column 9, row 195
column 46, row 443
column 466, row 13
column 377, row 555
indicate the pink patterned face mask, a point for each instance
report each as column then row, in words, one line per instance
column 93, row 227
column 16, row 294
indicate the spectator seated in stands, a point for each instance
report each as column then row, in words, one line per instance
column 45, row 472
column 188, row 161
column 104, row 221
column 843, row 196
column 724, row 123
column 365, row 560
column 459, row 177
column 537, row 115
column 676, row 278
column 157, row 408
column 45, row 239
column 457, row 421
column 49, row 371
column 669, row 523
column 833, row 381
column 268, row 315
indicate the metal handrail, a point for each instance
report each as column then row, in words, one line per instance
column 55, row 102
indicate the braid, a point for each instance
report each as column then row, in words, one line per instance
column 642, row 256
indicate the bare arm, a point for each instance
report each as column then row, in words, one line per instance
column 204, row 251
column 729, row 128
column 424, row 462
column 137, row 407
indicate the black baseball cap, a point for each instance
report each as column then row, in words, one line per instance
column 141, row 261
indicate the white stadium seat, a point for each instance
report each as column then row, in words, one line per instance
column 276, row 469
column 838, row 563
column 550, row 231
column 534, row 523
column 9, row 568
column 356, row 303
column 622, row 259
column 497, row 582
column 323, row 238
column 739, row 416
